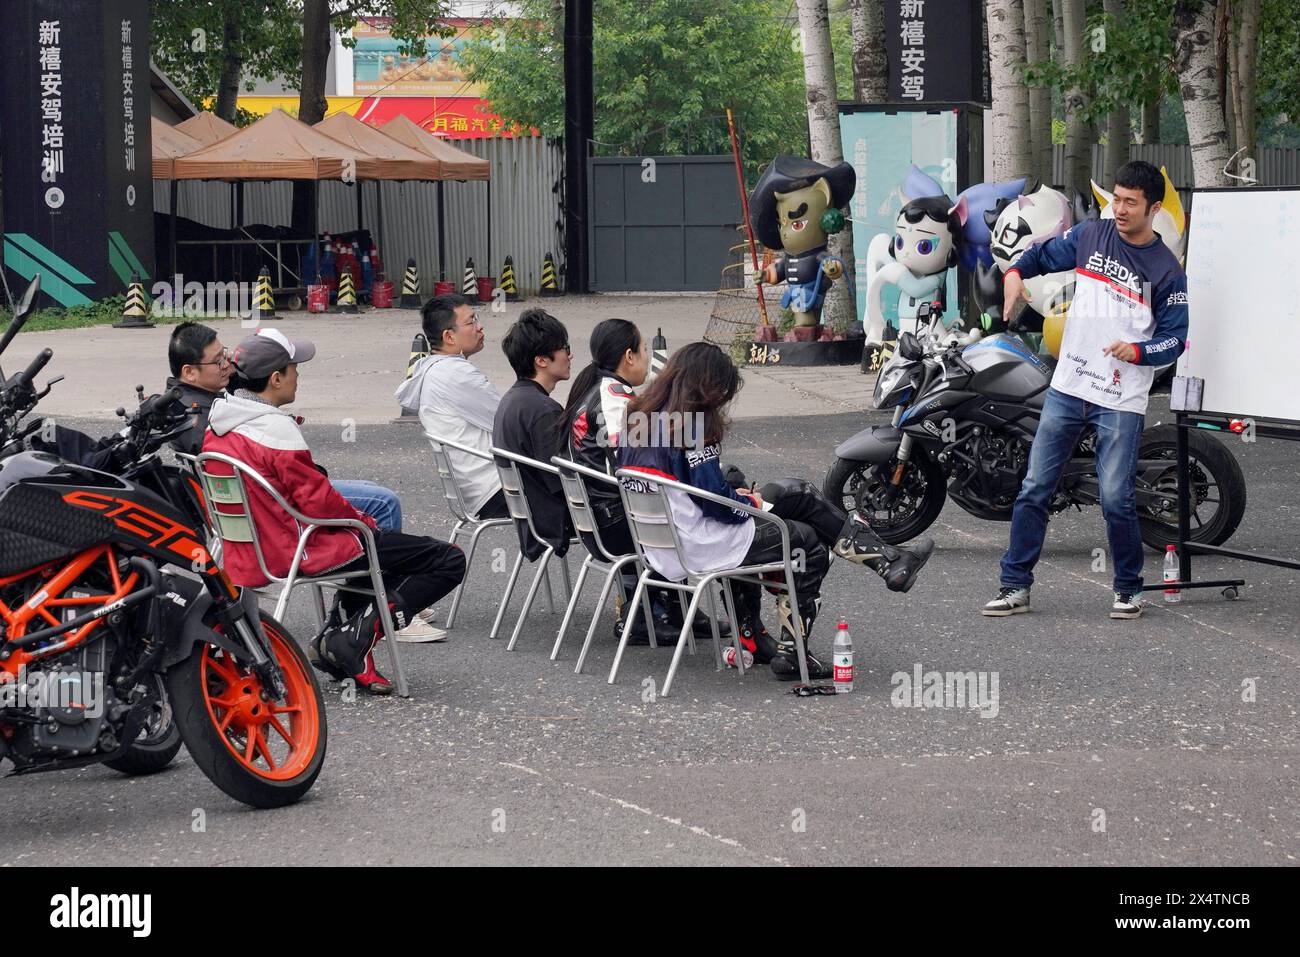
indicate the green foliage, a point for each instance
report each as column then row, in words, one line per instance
column 665, row 72
column 1279, row 78
column 102, row 313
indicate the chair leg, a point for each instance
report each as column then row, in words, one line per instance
column 681, row 642
column 282, row 603
column 628, row 619
column 729, row 602
column 505, row 598
column 717, row 638
column 550, row 595
column 469, row 558
column 799, row 637
column 575, row 593
column 543, row 566
column 386, row 623
column 564, row 572
column 615, row 572
column 318, row 606
column 647, row 606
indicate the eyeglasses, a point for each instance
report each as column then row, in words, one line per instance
column 474, row 323
column 222, row 359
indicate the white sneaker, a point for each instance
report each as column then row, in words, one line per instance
column 420, row 632
column 1010, row 601
column 1126, row 606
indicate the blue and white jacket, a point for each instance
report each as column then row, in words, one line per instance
column 712, row 536
column 1123, row 292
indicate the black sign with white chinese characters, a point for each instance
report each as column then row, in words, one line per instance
column 936, row 51
column 77, row 155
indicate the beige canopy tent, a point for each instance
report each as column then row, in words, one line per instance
column 207, row 128
column 168, row 143
column 394, row 159
column 455, row 164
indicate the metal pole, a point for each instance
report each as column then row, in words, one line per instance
column 744, row 208
column 379, row 210
column 357, row 184
column 315, row 225
column 173, row 197
column 579, row 131
column 1184, row 500
column 442, row 264
column 489, row 223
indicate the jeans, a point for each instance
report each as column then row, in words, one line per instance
column 1118, row 436
column 379, row 503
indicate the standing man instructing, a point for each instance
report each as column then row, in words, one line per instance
column 1128, row 316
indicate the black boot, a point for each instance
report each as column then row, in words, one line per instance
column 899, row 567
column 785, row 665
column 700, row 627
column 755, row 639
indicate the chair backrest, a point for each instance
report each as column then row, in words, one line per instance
column 512, row 484
column 574, row 478
column 447, row 479
column 228, row 502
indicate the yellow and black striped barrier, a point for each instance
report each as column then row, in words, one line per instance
column 549, row 286
column 469, row 282
column 508, row 284
column 411, row 287
column 263, row 301
column 347, row 301
column 136, row 313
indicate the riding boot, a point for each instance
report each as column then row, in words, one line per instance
column 899, row 567
column 785, row 665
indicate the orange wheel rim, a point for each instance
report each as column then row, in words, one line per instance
column 274, row 740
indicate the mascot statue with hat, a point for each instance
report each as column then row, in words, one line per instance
column 796, row 204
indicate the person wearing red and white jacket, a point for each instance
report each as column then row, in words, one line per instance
column 252, row 426
column 1127, row 317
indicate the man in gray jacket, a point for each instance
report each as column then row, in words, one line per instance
column 456, row 401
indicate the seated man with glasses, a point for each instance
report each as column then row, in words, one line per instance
column 201, row 369
column 455, row 400
column 528, row 422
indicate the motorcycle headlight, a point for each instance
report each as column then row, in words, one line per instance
column 892, row 376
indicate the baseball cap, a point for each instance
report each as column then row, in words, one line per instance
column 269, row 350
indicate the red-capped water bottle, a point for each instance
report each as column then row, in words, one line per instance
column 1171, row 575
column 842, row 656
column 729, row 656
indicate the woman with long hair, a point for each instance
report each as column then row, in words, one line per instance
column 589, row 434
column 675, row 430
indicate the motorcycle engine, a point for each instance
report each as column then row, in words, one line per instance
column 990, row 465
column 58, row 708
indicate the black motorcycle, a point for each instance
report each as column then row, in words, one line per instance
column 117, row 626
column 965, row 415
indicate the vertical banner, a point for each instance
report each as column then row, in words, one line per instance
column 936, row 51
column 76, row 150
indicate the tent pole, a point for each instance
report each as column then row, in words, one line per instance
column 174, row 196
column 379, row 214
column 239, row 205
column 489, row 225
column 357, row 184
column 315, row 225
column 442, row 262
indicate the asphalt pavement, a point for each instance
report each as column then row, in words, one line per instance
column 1167, row 740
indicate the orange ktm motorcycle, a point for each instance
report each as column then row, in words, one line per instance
column 115, row 622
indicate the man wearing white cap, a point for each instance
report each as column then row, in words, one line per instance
column 250, row 424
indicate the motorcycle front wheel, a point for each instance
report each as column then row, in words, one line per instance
column 262, row 752
column 1218, row 488
column 858, row 487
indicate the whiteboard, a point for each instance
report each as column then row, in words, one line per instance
column 1243, row 300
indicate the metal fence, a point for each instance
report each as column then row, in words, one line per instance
column 1274, row 166
column 527, row 179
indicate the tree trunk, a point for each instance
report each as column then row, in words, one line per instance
column 1150, row 132
column 1118, row 131
column 1011, row 146
column 824, row 135
column 1037, row 31
column 232, row 64
column 1198, row 81
column 1058, row 30
column 1078, row 135
column 870, row 63
column 1243, row 52
column 311, row 96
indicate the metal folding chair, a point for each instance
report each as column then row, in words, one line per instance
column 574, row 478
column 512, row 483
column 191, row 465
column 231, row 491
column 465, row 522
column 650, row 516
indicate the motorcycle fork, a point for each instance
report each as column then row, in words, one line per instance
column 231, row 612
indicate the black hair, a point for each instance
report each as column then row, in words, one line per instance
column 536, row 333
column 239, row 381
column 699, row 379
column 610, row 341
column 936, row 208
column 188, row 341
column 438, row 315
column 1139, row 174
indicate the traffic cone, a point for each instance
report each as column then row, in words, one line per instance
column 658, row 353
column 411, row 287
column 549, row 286
column 347, row 300
column 135, row 315
column 469, row 285
column 508, row 284
column 263, row 301
column 419, row 349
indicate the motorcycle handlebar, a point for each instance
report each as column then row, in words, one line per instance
column 156, row 403
column 27, row 375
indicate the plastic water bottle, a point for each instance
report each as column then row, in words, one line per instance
column 1171, row 574
column 729, row 656
column 842, row 656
